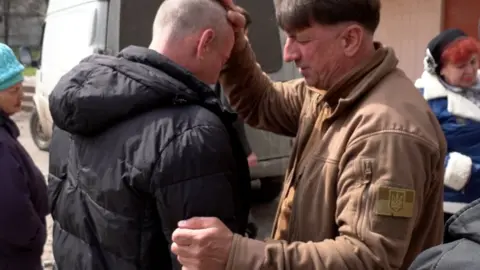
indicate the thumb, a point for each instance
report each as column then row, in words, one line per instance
column 198, row 223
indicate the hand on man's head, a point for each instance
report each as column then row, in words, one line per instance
column 237, row 18
column 235, row 15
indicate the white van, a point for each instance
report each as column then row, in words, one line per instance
column 75, row 29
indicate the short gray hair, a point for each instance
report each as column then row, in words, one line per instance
column 184, row 17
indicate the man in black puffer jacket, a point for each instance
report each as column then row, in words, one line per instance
column 142, row 143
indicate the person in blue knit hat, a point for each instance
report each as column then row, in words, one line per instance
column 23, row 191
column 11, row 78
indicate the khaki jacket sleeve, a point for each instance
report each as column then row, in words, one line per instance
column 371, row 234
column 263, row 104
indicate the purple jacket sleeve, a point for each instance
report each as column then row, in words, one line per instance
column 20, row 225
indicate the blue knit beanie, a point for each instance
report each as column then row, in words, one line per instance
column 11, row 71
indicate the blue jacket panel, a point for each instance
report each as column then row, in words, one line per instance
column 460, row 122
column 463, row 136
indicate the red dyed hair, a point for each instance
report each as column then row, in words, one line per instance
column 460, row 51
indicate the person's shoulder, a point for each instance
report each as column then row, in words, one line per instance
column 395, row 98
column 93, row 67
column 175, row 120
column 4, row 135
column 7, row 147
column 6, row 140
column 396, row 105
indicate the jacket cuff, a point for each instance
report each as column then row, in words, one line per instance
column 453, row 207
column 246, row 254
column 458, row 171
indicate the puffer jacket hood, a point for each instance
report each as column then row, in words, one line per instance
column 78, row 107
column 462, row 243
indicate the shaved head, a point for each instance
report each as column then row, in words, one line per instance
column 177, row 19
column 195, row 34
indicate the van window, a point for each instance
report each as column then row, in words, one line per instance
column 264, row 33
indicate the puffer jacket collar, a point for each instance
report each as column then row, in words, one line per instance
column 104, row 90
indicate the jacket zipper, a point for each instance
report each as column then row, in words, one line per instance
column 367, row 175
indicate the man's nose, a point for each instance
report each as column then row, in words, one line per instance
column 290, row 51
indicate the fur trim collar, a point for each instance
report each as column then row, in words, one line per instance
column 458, row 105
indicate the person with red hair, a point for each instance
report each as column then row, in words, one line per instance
column 451, row 86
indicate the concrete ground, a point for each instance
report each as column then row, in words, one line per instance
column 262, row 214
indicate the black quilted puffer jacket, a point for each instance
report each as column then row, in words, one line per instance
column 139, row 145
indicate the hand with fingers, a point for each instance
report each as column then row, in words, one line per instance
column 252, row 160
column 202, row 244
column 237, row 19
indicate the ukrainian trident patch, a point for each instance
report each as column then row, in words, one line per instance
column 395, row 202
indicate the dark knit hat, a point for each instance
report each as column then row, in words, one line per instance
column 436, row 47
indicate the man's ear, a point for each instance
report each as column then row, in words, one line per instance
column 205, row 43
column 352, row 39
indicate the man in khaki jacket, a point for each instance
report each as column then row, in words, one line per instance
column 365, row 182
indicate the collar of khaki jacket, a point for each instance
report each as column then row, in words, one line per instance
column 361, row 80
column 348, row 90
column 366, row 168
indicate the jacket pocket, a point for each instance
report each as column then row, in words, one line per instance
column 364, row 169
column 313, row 207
